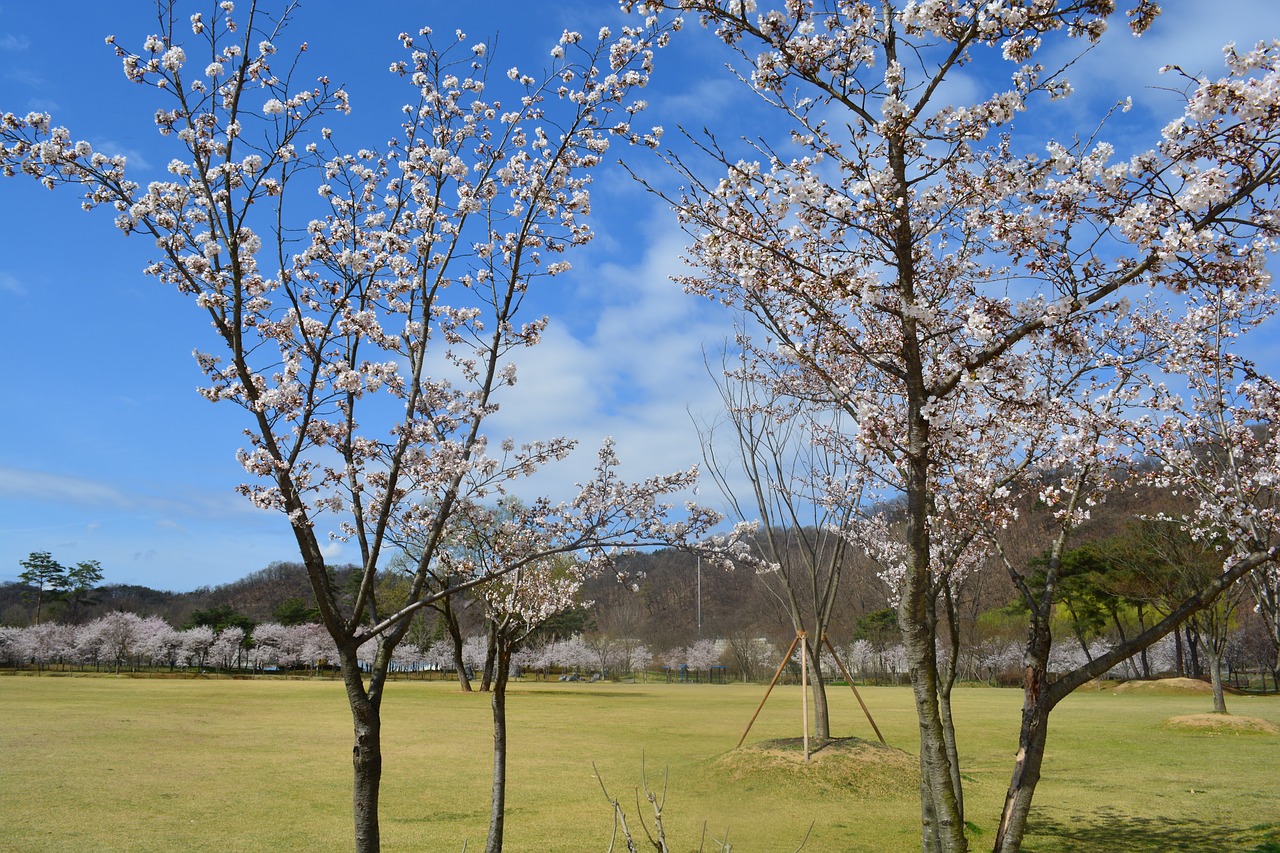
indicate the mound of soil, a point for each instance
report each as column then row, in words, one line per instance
column 1166, row 686
column 1226, row 724
column 869, row 769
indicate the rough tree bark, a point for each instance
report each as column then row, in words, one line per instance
column 502, row 672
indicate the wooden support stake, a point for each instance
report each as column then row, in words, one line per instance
column 856, row 694
column 776, row 676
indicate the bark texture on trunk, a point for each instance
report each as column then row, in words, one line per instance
column 943, row 826
column 946, row 681
column 818, row 687
column 497, row 812
column 953, row 752
column 366, row 757
column 491, row 653
column 1032, row 736
column 1215, row 679
column 1026, row 775
column 455, row 639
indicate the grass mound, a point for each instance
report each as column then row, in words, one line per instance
column 866, row 769
column 1165, row 686
column 1225, row 724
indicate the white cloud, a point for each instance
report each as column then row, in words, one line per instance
column 1189, row 34
column 630, row 367
column 19, row 483
column 133, row 156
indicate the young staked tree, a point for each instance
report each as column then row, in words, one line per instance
column 908, row 252
column 368, row 332
column 766, row 442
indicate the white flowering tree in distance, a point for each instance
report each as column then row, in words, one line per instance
column 516, row 605
column 368, row 343
column 915, row 262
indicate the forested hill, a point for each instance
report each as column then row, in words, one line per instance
column 261, row 596
column 659, row 601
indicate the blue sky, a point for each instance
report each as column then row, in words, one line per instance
column 106, row 450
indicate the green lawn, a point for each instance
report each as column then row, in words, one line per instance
column 123, row 764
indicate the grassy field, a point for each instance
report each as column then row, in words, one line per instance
column 122, row 764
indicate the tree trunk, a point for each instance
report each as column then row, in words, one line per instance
column 946, row 681
column 1142, row 626
column 942, row 827
column 1193, row 649
column 455, row 638
column 502, row 669
column 818, row 687
column 1181, row 654
column 491, row 654
column 1026, row 770
column 1032, row 736
column 366, row 755
column 1215, row 678
column 949, row 741
column 941, row 824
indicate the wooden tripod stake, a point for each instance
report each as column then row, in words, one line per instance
column 804, row 689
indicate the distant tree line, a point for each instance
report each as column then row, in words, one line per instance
column 1119, row 579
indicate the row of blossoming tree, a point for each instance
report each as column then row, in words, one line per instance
column 128, row 641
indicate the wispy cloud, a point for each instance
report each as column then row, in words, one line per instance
column 15, row 44
column 9, row 284
column 630, row 368
column 44, row 486
column 1189, row 34
column 133, row 156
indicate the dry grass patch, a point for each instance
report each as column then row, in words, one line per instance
column 1166, row 686
column 1224, row 724
column 865, row 769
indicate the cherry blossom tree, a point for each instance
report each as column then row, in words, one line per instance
column 1205, row 444
column 10, row 642
column 228, row 647
column 632, row 656
column 45, row 643
column 571, row 653
column 158, row 642
column 698, row 657
column 907, row 255
column 271, row 645
column 368, row 331
column 116, row 638
column 196, row 643
column 602, row 648
column 517, row 604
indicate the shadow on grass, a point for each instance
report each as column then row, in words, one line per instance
column 1111, row 832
